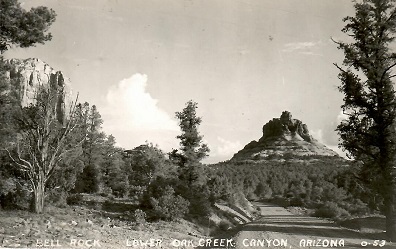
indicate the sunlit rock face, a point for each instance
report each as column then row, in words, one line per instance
column 29, row 75
column 283, row 137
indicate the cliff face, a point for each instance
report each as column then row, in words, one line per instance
column 282, row 137
column 30, row 75
column 286, row 127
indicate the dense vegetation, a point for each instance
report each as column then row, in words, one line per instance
column 177, row 184
column 44, row 161
column 324, row 184
column 368, row 131
column 161, row 186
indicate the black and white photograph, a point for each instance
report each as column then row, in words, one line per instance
column 197, row 124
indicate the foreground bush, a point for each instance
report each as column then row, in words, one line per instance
column 331, row 210
column 139, row 216
column 169, row 206
column 74, row 199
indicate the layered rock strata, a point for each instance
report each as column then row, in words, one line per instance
column 283, row 137
column 28, row 76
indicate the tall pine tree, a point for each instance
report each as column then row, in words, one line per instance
column 90, row 179
column 192, row 148
column 368, row 132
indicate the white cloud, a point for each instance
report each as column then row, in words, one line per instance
column 299, row 46
column 132, row 103
column 132, row 115
column 227, row 148
column 310, row 53
column 317, row 134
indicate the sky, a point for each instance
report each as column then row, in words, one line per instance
column 242, row 61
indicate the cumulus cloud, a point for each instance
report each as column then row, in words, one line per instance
column 133, row 116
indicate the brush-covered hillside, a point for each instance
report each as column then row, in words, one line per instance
column 60, row 173
column 289, row 167
column 67, row 164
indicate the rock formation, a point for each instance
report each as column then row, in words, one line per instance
column 283, row 137
column 30, row 75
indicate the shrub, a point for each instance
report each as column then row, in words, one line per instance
column 281, row 201
column 57, row 197
column 74, row 199
column 106, row 191
column 224, row 225
column 297, row 202
column 169, row 206
column 199, row 207
column 263, row 190
column 356, row 207
column 137, row 192
column 19, row 198
column 238, row 198
column 140, row 216
column 199, row 198
column 331, row 210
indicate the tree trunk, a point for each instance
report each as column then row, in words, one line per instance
column 39, row 195
column 390, row 213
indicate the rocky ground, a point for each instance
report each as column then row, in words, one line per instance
column 77, row 227
column 277, row 227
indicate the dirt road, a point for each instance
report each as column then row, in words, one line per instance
column 278, row 228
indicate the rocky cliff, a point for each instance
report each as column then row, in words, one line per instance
column 283, row 137
column 29, row 75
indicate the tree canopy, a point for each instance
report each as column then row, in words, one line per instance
column 368, row 132
column 23, row 28
column 191, row 146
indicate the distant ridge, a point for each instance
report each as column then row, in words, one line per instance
column 283, row 137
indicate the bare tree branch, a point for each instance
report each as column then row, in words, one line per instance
column 23, row 167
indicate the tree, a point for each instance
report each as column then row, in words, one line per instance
column 89, row 181
column 20, row 28
column 43, row 142
column 113, row 168
column 168, row 205
column 145, row 164
column 368, row 132
column 7, row 103
column 94, row 138
column 192, row 149
column 193, row 176
column 23, row 28
column 64, row 179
